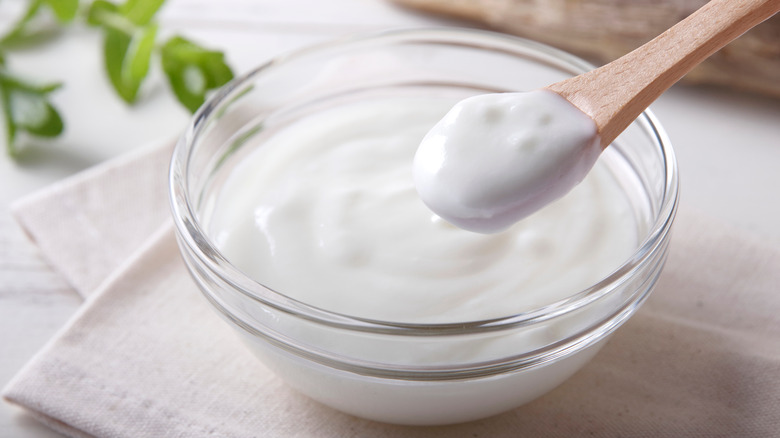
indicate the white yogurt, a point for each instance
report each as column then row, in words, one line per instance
column 496, row 158
column 326, row 212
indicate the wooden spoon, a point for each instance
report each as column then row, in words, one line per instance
column 616, row 94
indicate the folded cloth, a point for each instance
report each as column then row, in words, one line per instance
column 146, row 356
column 89, row 224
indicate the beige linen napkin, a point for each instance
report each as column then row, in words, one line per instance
column 89, row 224
column 146, row 356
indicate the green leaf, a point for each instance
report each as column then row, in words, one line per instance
column 140, row 12
column 26, row 108
column 9, row 81
column 115, row 46
column 100, row 11
column 140, row 53
column 10, row 126
column 28, row 30
column 33, row 113
column 19, row 31
column 64, row 10
column 127, row 59
column 193, row 70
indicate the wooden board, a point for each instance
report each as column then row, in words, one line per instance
column 602, row 30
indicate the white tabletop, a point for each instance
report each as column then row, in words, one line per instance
column 728, row 143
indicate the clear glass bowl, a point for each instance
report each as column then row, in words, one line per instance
column 325, row 354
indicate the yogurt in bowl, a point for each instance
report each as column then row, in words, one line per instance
column 296, row 213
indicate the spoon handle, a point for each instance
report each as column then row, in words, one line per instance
column 615, row 94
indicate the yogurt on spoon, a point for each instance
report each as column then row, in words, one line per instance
column 496, row 158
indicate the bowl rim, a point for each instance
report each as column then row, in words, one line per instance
column 190, row 234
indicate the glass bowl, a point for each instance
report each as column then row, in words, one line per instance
column 372, row 368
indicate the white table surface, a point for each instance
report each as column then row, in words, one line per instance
column 728, row 143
